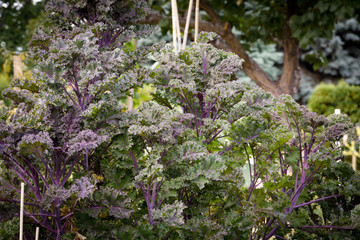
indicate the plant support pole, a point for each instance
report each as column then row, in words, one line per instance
column 354, row 162
column 177, row 26
column 188, row 17
column 196, row 19
column 37, row 233
column 173, row 23
column 21, row 211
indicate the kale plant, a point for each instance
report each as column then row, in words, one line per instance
column 64, row 119
column 175, row 167
column 182, row 160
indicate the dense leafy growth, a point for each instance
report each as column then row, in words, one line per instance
column 174, row 167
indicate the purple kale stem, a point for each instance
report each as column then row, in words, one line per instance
column 57, row 219
column 51, row 172
column 251, row 187
column 265, row 179
column 132, row 157
column 280, row 237
column 232, row 146
column 102, row 153
column 86, row 159
column 312, row 140
column 15, row 201
column 63, row 170
column 153, row 195
column 299, row 138
column 62, row 86
column 133, row 217
column 296, row 180
column 134, row 160
column 308, row 179
column 93, row 97
column 191, row 109
column 268, row 225
column 66, row 216
column 23, row 177
column 65, row 223
column 318, row 146
column 272, row 232
column 209, row 141
column 306, row 165
column 317, row 200
column 46, row 226
column 17, row 190
column 23, row 171
column 66, row 177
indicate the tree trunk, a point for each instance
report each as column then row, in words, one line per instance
column 290, row 78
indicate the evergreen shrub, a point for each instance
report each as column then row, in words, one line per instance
column 328, row 97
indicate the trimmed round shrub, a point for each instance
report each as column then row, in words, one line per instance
column 328, row 97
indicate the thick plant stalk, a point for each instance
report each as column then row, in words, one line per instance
column 188, row 17
column 21, row 211
column 196, row 19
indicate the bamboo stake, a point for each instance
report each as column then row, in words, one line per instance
column 196, row 19
column 337, row 111
column 129, row 100
column 37, row 233
column 177, row 26
column 354, row 162
column 187, row 24
column 173, row 23
column 17, row 65
column 21, row 211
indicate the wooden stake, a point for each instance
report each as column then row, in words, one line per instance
column 196, row 19
column 37, row 233
column 188, row 17
column 173, row 23
column 337, row 111
column 177, row 26
column 354, row 162
column 18, row 66
column 21, row 211
column 129, row 100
